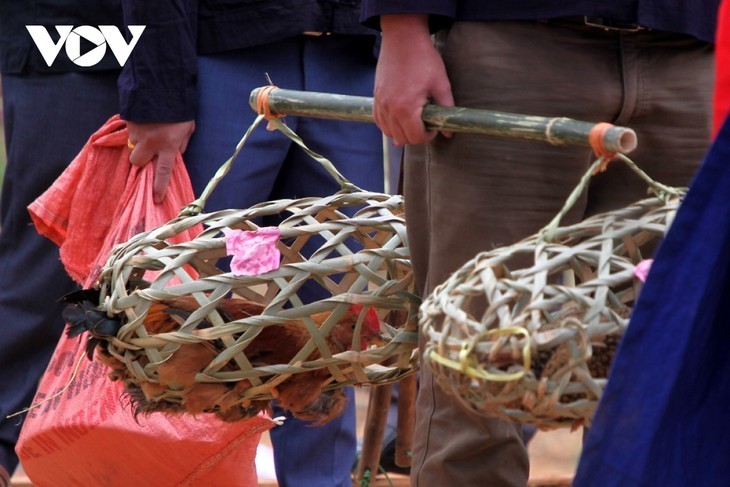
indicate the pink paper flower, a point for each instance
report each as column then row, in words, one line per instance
column 254, row 252
column 642, row 269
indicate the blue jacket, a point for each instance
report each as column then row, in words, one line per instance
column 158, row 83
column 694, row 17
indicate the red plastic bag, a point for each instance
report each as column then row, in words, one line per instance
column 722, row 67
column 86, row 435
column 101, row 200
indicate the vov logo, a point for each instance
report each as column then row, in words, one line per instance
column 71, row 36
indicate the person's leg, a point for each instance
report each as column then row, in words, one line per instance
column 485, row 192
column 340, row 65
column 47, row 121
column 668, row 83
column 343, row 65
column 225, row 82
column 667, row 100
column 315, row 455
column 268, row 168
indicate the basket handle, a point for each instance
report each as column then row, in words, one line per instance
column 662, row 191
column 197, row 206
column 557, row 130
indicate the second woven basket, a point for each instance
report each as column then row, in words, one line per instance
column 534, row 344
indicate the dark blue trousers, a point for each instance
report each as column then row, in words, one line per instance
column 271, row 167
column 48, row 118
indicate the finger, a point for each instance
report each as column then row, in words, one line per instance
column 445, row 98
column 391, row 128
column 163, row 174
column 141, row 155
column 401, row 123
column 398, row 134
column 186, row 140
column 380, row 118
column 413, row 128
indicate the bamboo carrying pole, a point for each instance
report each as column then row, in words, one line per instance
column 556, row 130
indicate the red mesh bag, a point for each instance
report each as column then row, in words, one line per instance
column 81, row 432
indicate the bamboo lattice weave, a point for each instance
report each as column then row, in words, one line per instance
column 534, row 344
column 359, row 259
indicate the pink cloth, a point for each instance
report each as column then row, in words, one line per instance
column 254, row 252
column 642, row 269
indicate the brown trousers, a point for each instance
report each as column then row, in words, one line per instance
column 473, row 193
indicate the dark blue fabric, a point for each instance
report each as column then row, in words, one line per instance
column 663, row 418
column 225, row 25
column 320, row 455
column 270, row 167
column 48, row 119
column 159, row 84
column 694, row 17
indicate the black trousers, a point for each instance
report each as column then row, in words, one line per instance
column 48, row 118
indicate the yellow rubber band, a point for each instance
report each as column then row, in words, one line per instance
column 464, row 366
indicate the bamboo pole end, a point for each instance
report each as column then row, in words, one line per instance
column 627, row 140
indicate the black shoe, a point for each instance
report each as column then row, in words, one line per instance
column 528, row 432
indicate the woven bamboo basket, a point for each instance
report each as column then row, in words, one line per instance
column 534, row 345
column 361, row 257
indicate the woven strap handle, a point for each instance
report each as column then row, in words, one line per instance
column 197, row 206
column 661, row 190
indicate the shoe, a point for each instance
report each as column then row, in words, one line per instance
column 528, row 432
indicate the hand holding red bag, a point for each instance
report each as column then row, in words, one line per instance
column 86, row 435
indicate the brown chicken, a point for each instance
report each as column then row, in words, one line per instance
column 302, row 392
column 275, row 344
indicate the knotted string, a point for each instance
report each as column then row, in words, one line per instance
column 596, row 138
column 263, row 108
